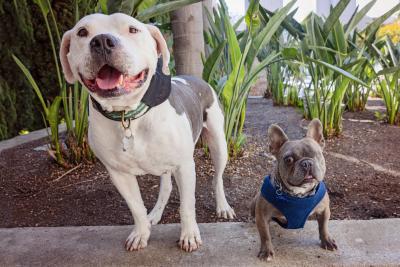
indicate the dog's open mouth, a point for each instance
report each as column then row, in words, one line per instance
column 309, row 178
column 110, row 81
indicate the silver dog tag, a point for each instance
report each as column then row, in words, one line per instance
column 127, row 140
column 128, row 133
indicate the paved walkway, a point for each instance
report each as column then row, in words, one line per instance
column 361, row 243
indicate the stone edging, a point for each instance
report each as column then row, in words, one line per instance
column 32, row 136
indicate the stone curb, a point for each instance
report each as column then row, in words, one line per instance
column 361, row 243
column 32, row 136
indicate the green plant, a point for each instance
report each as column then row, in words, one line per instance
column 285, row 81
column 275, row 80
column 387, row 79
column 50, row 114
column 331, row 61
column 357, row 94
column 283, row 77
column 142, row 10
column 17, row 102
column 339, row 64
column 7, row 109
column 389, row 87
column 380, row 116
column 368, row 43
column 325, row 52
column 74, row 104
column 229, row 68
column 325, row 93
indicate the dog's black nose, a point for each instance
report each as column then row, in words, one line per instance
column 103, row 44
column 306, row 164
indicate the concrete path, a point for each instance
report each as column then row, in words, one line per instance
column 361, row 243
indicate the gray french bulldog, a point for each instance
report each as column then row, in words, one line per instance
column 295, row 189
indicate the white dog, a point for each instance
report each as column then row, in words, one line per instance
column 141, row 122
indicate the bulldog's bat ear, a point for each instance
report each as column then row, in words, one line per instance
column 315, row 131
column 64, row 50
column 162, row 47
column 276, row 138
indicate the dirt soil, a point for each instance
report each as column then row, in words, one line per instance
column 363, row 177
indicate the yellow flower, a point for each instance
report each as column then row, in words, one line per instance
column 392, row 30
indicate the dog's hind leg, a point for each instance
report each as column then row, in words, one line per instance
column 165, row 190
column 185, row 177
column 214, row 135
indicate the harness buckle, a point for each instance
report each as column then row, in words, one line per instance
column 279, row 189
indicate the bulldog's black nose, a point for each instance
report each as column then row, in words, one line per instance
column 103, row 44
column 306, row 164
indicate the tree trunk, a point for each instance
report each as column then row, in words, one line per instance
column 187, row 28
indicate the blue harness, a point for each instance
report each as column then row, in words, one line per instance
column 295, row 209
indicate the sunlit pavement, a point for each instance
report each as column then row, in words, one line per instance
column 372, row 242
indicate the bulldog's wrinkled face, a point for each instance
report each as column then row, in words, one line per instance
column 114, row 56
column 300, row 163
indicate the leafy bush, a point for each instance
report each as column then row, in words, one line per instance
column 387, row 79
column 337, row 62
column 8, row 114
column 284, row 77
column 74, row 104
column 229, row 68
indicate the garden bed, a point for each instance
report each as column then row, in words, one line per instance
column 35, row 192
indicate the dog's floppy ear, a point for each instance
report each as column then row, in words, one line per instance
column 64, row 50
column 162, row 47
column 276, row 138
column 315, row 131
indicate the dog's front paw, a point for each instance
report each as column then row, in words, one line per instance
column 328, row 243
column 225, row 211
column 266, row 254
column 190, row 239
column 154, row 216
column 137, row 239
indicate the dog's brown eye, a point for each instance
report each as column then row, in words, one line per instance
column 83, row 32
column 288, row 160
column 133, row 29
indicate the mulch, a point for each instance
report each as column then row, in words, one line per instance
column 33, row 194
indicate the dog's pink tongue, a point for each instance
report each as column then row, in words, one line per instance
column 308, row 177
column 108, row 78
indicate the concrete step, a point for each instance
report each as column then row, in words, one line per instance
column 361, row 243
